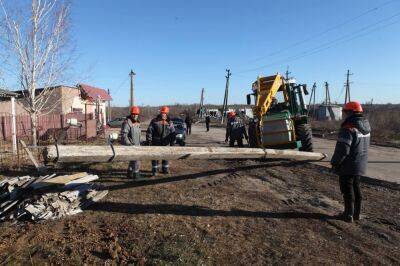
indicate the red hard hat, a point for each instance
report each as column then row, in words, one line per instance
column 164, row 110
column 353, row 106
column 135, row 110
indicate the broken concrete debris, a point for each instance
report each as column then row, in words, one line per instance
column 47, row 197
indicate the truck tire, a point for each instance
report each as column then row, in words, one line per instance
column 304, row 134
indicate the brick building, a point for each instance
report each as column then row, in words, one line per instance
column 81, row 98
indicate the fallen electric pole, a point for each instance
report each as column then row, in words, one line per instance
column 98, row 154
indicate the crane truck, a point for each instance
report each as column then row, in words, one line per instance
column 280, row 118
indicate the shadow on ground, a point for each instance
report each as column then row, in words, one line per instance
column 154, row 181
column 175, row 209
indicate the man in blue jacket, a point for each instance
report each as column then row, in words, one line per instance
column 351, row 157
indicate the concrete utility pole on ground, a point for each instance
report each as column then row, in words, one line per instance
column 347, row 85
column 132, row 99
column 225, row 104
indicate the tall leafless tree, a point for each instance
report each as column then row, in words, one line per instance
column 37, row 40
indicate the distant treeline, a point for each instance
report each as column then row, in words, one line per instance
column 148, row 112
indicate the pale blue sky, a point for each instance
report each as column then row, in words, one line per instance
column 177, row 47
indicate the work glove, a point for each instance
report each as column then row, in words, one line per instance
column 334, row 169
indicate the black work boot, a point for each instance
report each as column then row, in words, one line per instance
column 357, row 210
column 136, row 175
column 349, row 211
column 153, row 171
column 130, row 174
column 165, row 170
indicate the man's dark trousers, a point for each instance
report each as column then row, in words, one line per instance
column 239, row 141
column 350, row 188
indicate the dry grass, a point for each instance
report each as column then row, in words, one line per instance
column 384, row 120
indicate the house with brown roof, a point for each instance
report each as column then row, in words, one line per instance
column 82, row 98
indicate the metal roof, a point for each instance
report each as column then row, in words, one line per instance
column 95, row 93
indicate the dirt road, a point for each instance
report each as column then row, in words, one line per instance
column 215, row 213
column 384, row 161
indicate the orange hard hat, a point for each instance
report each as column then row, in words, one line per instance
column 135, row 110
column 164, row 110
column 353, row 106
column 231, row 114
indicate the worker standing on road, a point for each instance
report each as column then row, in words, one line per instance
column 351, row 157
column 161, row 132
column 208, row 120
column 235, row 130
column 188, row 121
column 130, row 135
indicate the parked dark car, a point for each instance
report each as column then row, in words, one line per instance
column 180, row 130
column 117, row 122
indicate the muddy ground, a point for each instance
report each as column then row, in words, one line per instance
column 216, row 212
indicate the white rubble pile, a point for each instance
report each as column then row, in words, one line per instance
column 47, row 197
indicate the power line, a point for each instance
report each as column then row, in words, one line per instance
column 279, row 51
column 327, row 45
column 121, row 84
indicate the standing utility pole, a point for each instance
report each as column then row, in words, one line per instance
column 347, row 85
column 287, row 73
column 13, row 126
column 109, row 107
column 312, row 99
column 132, row 99
column 225, row 104
column 327, row 94
column 201, row 104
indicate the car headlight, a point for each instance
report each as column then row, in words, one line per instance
column 179, row 136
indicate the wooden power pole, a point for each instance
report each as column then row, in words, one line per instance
column 132, row 99
column 225, row 104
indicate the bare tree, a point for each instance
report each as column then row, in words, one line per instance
column 38, row 40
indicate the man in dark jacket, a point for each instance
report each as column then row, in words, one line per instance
column 161, row 132
column 130, row 136
column 208, row 120
column 188, row 121
column 351, row 157
column 235, row 130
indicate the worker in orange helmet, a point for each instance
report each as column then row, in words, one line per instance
column 161, row 132
column 350, row 158
column 235, row 130
column 130, row 136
